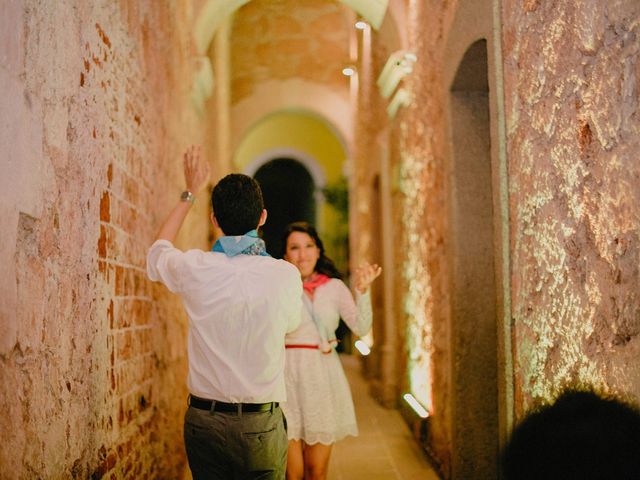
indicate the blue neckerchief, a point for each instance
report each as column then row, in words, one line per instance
column 247, row 244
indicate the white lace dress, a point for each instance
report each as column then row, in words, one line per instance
column 319, row 407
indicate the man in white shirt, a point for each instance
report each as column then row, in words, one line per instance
column 240, row 303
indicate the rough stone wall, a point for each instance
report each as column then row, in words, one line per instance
column 423, row 294
column 366, row 194
column 371, row 120
column 95, row 112
column 416, row 144
column 284, row 39
column 572, row 83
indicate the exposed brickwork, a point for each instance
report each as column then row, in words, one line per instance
column 92, row 355
column 94, row 386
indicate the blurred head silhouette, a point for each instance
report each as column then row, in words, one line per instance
column 580, row 436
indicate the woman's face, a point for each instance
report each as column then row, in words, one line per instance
column 302, row 252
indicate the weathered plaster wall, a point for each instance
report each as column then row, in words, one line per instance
column 572, row 73
column 280, row 40
column 95, row 112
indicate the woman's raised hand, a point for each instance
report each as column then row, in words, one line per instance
column 365, row 275
column 196, row 170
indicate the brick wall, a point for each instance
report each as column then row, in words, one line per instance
column 93, row 359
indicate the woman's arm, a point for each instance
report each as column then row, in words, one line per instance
column 365, row 275
column 358, row 315
column 196, row 174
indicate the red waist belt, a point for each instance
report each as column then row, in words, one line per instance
column 302, row 345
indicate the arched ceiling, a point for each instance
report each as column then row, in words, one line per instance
column 289, row 54
column 308, row 40
column 213, row 13
column 299, row 131
column 293, row 94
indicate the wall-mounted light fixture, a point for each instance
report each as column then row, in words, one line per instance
column 371, row 10
column 401, row 98
column 348, row 71
column 203, row 81
column 399, row 65
column 415, row 405
column 361, row 25
column 362, row 347
column 211, row 15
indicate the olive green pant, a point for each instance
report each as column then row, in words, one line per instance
column 232, row 446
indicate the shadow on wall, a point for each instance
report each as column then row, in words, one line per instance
column 288, row 192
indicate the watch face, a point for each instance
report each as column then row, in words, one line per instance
column 187, row 196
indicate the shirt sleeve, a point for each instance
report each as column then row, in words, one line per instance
column 357, row 315
column 296, row 310
column 164, row 263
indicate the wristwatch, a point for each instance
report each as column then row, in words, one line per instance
column 187, row 196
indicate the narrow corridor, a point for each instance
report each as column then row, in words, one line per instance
column 385, row 449
column 484, row 153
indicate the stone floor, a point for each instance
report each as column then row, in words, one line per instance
column 385, row 449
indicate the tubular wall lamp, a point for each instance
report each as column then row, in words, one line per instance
column 399, row 65
column 203, row 81
column 415, row 405
column 373, row 11
column 362, row 347
column 401, row 98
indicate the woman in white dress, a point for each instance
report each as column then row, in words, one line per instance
column 319, row 409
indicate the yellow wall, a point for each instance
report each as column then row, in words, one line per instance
column 299, row 130
column 311, row 135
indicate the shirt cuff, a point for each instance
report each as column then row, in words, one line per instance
column 153, row 253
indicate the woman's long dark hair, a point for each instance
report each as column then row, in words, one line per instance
column 324, row 264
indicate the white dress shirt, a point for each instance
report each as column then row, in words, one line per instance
column 239, row 310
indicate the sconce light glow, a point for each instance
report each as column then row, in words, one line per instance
column 348, row 71
column 363, row 348
column 361, row 25
column 413, row 403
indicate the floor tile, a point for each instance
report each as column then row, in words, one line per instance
column 385, row 448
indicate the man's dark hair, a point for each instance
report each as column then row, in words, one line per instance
column 237, row 204
column 581, row 436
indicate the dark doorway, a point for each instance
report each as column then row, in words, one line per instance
column 473, row 291
column 288, row 191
